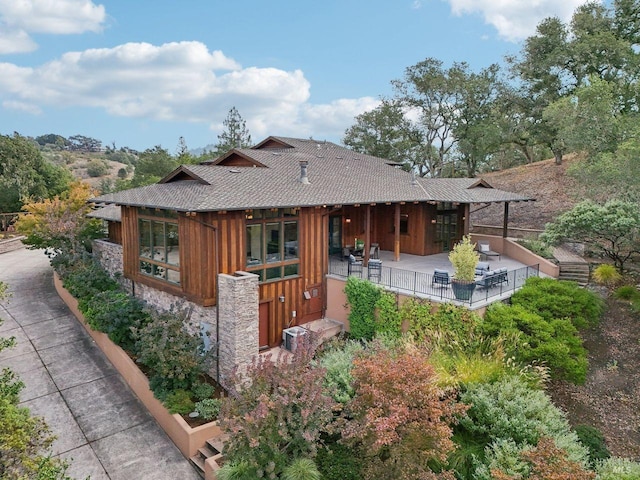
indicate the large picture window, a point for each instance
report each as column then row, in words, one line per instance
column 272, row 243
column 159, row 245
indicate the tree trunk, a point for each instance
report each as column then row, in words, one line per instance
column 558, row 156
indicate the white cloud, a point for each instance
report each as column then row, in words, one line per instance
column 516, row 19
column 181, row 82
column 22, row 107
column 19, row 18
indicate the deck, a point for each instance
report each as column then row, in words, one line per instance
column 413, row 275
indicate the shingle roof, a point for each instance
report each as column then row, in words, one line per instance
column 106, row 212
column 337, row 176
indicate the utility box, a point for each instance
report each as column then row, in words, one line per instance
column 291, row 337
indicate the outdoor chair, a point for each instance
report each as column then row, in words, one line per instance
column 374, row 269
column 482, row 267
column 440, row 277
column 374, row 251
column 355, row 266
column 493, row 278
column 484, row 249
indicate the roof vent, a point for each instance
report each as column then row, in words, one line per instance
column 303, row 171
column 233, row 170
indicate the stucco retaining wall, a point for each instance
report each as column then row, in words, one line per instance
column 187, row 439
column 11, row 244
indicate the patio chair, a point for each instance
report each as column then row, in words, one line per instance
column 355, row 266
column 374, row 251
column 441, row 277
column 484, row 249
column 374, row 269
column 482, row 267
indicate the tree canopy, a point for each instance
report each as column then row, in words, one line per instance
column 234, row 135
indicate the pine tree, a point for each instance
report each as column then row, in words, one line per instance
column 235, row 134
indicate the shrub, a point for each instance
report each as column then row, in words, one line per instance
column 464, row 259
column 337, row 364
column 387, row 317
column 278, row 415
column 593, row 439
column 362, row 296
column 553, row 299
column 97, row 168
column 507, row 417
column 117, row 314
column 209, row 408
column 606, row 274
column 555, row 342
column 417, row 313
column 338, row 462
column 627, row 292
column 86, row 280
column 538, row 247
column 174, row 356
column 179, row 401
column 301, row 469
column 202, row 391
column 399, row 418
column 618, row 469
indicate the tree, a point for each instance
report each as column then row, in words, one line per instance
column 276, row 414
column 25, row 174
column 234, row 135
column 399, row 420
column 612, row 229
column 60, row 224
column 85, row 144
column 182, row 153
column 153, row 164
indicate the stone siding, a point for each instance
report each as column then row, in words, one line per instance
column 239, row 328
column 109, row 255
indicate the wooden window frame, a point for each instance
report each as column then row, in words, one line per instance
column 166, row 218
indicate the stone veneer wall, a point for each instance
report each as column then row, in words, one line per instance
column 239, row 329
column 110, row 257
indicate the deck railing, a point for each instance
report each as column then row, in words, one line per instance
column 422, row 284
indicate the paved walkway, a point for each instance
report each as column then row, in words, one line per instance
column 100, row 424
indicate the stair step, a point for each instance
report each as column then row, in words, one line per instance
column 207, row 451
column 198, row 462
column 216, row 444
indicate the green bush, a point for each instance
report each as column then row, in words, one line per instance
column 88, row 279
column 179, row 401
column 338, row 363
column 508, row 416
column 174, row 356
column 626, row 292
column 618, row 469
column 387, row 321
column 554, row 342
column 97, row 168
column 209, row 408
column 538, row 247
column 301, row 468
column 553, row 299
column 606, row 274
column 593, row 439
column 117, row 314
column 202, row 391
column 338, row 462
column 362, row 296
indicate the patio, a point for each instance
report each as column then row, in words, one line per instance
column 413, row 275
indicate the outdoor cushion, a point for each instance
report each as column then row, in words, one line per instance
column 484, row 247
column 482, row 267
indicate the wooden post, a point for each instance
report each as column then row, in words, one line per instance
column 367, row 234
column 396, row 241
column 505, row 221
column 466, row 220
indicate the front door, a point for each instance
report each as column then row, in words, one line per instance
column 335, row 235
column 447, row 230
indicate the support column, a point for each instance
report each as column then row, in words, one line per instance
column 466, row 219
column 396, row 239
column 367, row 234
column 505, row 221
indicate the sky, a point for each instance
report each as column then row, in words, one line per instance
column 141, row 73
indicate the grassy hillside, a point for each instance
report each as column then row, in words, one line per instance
column 554, row 190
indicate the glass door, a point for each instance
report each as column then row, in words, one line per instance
column 335, row 235
column 446, row 230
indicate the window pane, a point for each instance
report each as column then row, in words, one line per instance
column 158, row 271
column 273, row 273
column 254, row 245
column 272, row 234
column 289, row 212
column 290, row 240
column 157, row 232
column 173, row 276
column 145, row 267
column 272, row 213
column 290, row 270
column 173, row 245
column 145, row 238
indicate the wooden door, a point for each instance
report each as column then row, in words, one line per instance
column 313, row 300
column 263, row 320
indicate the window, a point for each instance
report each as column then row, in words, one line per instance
column 159, row 245
column 272, row 250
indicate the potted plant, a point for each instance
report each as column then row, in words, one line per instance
column 464, row 259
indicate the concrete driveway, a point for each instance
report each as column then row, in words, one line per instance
column 100, row 424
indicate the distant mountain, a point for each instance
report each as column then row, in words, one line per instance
column 196, row 152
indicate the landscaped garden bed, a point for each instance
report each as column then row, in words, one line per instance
column 188, row 439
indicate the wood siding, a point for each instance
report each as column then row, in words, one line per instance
column 114, row 232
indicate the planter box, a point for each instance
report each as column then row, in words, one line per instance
column 187, row 439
